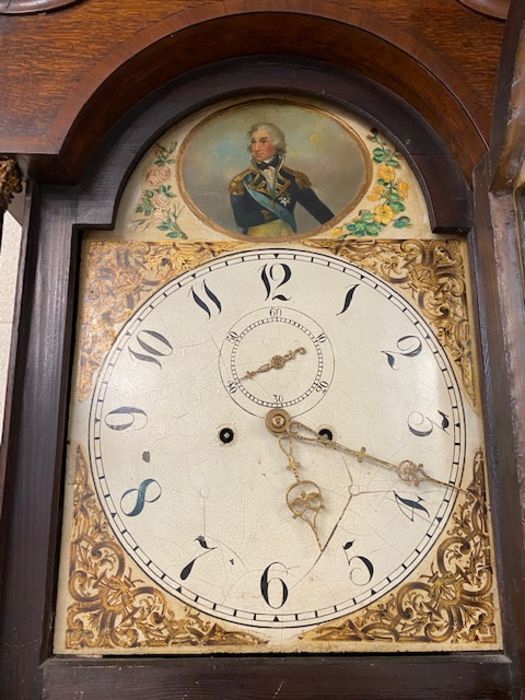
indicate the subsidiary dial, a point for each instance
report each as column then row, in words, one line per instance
column 276, row 357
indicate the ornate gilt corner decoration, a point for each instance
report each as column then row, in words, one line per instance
column 454, row 604
column 111, row 609
column 10, row 181
column 433, row 274
column 118, row 276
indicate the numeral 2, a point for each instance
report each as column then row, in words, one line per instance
column 407, row 346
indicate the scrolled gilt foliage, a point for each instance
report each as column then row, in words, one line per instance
column 119, row 275
column 110, row 608
column 453, row 604
column 432, row 275
column 10, row 181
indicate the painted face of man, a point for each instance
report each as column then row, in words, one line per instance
column 262, row 145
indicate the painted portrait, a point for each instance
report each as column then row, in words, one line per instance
column 272, row 169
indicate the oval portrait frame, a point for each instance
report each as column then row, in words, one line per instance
column 334, row 120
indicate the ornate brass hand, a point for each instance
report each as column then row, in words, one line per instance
column 281, row 424
column 277, row 362
column 303, row 497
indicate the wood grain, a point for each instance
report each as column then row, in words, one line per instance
column 508, row 126
column 87, row 65
column 496, row 268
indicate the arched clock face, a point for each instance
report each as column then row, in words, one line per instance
column 215, row 507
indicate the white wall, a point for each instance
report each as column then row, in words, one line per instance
column 9, row 260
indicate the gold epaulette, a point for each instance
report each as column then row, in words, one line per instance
column 300, row 178
column 236, row 185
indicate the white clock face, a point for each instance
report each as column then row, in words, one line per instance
column 198, row 490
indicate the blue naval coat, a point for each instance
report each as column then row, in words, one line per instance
column 254, row 203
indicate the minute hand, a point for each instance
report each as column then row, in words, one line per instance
column 407, row 470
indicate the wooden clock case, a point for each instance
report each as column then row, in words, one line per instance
column 78, row 187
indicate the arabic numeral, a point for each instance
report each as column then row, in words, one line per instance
column 126, row 417
column 407, row 346
column 361, row 569
column 348, row 299
column 153, row 345
column 149, row 491
column 186, row 570
column 321, row 386
column 275, row 312
column 321, row 338
column 232, row 387
column 273, row 277
column 410, row 507
column 273, row 589
column 214, row 306
column 232, row 337
column 422, row 426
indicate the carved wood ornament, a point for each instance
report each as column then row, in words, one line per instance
column 10, row 181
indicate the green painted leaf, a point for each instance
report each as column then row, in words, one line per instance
column 402, row 222
column 373, row 229
column 379, row 155
column 397, row 206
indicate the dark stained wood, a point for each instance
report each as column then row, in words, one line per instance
column 31, row 526
column 507, row 145
column 502, row 335
column 293, row 678
column 94, row 61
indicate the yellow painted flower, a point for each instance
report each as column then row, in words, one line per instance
column 402, row 188
column 386, row 173
column 376, row 193
column 337, row 231
column 383, row 214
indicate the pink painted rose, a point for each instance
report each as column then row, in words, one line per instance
column 152, row 177
column 158, row 216
column 160, row 201
column 164, row 172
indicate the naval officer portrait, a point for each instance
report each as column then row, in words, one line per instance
column 264, row 196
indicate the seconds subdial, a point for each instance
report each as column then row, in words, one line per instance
column 276, row 357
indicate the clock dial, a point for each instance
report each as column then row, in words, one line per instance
column 298, row 376
column 220, row 512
